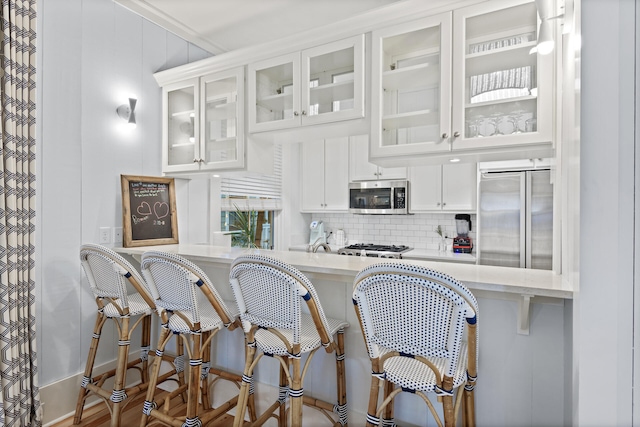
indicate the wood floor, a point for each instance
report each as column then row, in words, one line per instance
column 99, row 416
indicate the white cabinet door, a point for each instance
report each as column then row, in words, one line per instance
column 450, row 188
column 459, row 187
column 333, row 81
column 274, row 93
column 180, row 135
column 411, row 88
column 425, row 188
column 360, row 169
column 336, row 175
column 222, row 120
column 312, row 162
column 325, row 176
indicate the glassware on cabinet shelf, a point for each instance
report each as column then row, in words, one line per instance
column 531, row 125
column 515, row 118
column 496, row 120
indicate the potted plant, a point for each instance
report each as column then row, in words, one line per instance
column 244, row 224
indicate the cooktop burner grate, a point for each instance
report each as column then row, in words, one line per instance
column 373, row 250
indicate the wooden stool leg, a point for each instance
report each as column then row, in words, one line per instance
column 295, row 394
column 251, row 401
column 388, row 410
column 180, row 366
column 447, row 403
column 118, row 395
column 88, row 369
column 341, row 379
column 146, row 346
column 241, row 408
column 194, row 378
column 204, row 372
column 472, row 372
column 283, row 386
column 372, row 409
column 165, row 336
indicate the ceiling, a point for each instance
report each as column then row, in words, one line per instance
column 220, row 26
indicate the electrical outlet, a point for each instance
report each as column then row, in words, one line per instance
column 105, row 234
column 117, row 235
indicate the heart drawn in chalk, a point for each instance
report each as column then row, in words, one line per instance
column 161, row 209
column 144, row 209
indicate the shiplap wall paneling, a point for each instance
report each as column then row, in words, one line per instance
column 59, row 189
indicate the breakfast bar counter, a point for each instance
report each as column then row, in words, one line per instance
column 524, row 324
column 519, row 281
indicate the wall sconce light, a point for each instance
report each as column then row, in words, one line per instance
column 545, row 43
column 127, row 112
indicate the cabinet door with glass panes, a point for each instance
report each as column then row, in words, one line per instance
column 502, row 87
column 317, row 85
column 222, row 132
column 181, row 126
column 411, row 89
column 204, row 123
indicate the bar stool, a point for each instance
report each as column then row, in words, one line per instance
column 413, row 319
column 270, row 296
column 175, row 284
column 108, row 274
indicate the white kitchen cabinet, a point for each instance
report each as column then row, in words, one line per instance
column 317, row 85
column 325, row 178
column 462, row 83
column 450, row 187
column 360, row 169
column 204, row 123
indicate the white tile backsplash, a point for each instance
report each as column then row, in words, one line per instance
column 417, row 230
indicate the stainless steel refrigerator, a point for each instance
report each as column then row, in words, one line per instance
column 515, row 219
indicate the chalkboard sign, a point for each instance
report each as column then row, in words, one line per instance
column 148, row 211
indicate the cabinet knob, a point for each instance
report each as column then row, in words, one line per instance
column 295, row 113
column 444, row 204
column 456, row 134
column 195, row 160
column 438, row 204
column 445, row 135
column 304, row 113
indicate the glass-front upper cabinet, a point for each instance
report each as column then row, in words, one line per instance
column 317, row 85
column 181, row 126
column 502, row 85
column 222, row 131
column 411, row 87
column 204, row 126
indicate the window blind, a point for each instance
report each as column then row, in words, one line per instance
column 254, row 192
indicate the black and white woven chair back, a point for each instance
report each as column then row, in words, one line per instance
column 270, row 294
column 174, row 283
column 413, row 310
column 107, row 273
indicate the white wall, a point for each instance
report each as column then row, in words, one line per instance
column 603, row 307
column 92, row 54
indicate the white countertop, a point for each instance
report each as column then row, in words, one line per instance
column 495, row 279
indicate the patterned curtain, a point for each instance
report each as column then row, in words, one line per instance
column 20, row 397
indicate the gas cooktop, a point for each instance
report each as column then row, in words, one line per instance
column 373, row 250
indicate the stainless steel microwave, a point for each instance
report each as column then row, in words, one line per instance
column 379, row 197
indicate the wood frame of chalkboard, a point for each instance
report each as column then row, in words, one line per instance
column 149, row 215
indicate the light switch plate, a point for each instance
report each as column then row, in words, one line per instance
column 105, row 235
column 117, row 235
